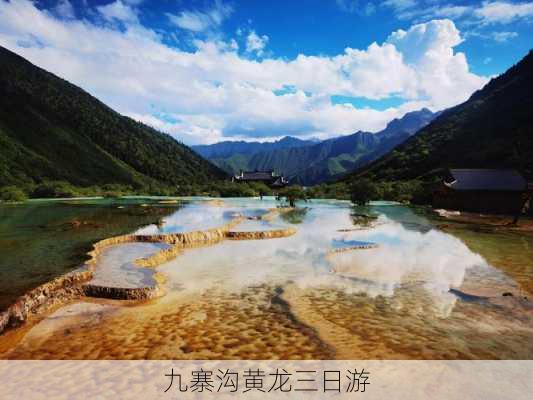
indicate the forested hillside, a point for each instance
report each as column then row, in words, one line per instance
column 53, row 130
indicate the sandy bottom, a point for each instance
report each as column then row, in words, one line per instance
column 410, row 325
column 254, row 324
column 271, row 323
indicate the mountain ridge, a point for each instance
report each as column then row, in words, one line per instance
column 313, row 163
column 228, row 147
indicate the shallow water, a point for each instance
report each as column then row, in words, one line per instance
column 422, row 293
column 207, row 214
column 42, row 240
column 115, row 266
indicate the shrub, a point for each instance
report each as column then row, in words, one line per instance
column 55, row 189
column 260, row 189
column 12, row 194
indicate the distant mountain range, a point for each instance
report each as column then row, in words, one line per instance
column 228, row 148
column 310, row 162
column 53, row 130
column 492, row 129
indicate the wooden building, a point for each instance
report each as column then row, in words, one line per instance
column 269, row 178
column 492, row 191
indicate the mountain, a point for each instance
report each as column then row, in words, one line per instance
column 53, row 130
column 234, row 156
column 309, row 162
column 492, row 129
column 227, row 149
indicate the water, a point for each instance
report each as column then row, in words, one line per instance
column 115, row 267
column 42, row 240
column 422, row 293
column 206, row 214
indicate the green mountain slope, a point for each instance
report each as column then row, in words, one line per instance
column 493, row 129
column 53, row 130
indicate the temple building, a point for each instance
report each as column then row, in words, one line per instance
column 269, row 178
column 493, row 191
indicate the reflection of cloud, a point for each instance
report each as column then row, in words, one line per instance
column 189, row 218
column 433, row 261
column 435, row 258
column 196, row 216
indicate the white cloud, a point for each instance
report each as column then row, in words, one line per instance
column 201, row 21
column 425, row 10
column 428, row 49
column 214, row 92
column 64, row 9
column 118, row 11
column 503, row 12
column 399, row 4
column 450, row 11
column 503, row 36
column 482, row 13
column 255, row 43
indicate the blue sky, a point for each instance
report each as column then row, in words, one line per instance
column 209, row 70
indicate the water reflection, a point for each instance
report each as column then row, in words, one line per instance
column 429, row 258
column 115, row 267
column 208, row 214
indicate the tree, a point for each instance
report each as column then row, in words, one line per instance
column 12, row 194
column 54, row 189
column 292, row 194
column 362, row 191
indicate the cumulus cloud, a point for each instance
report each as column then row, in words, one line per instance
column 201, row 21
column 213, row 92
column 428, row 49
column 255, row 43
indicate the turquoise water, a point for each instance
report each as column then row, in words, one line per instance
column 42, row 240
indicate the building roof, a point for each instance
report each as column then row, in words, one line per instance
column 486, row 179
column 256, row 176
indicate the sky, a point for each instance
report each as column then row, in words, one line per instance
column 211, row 70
